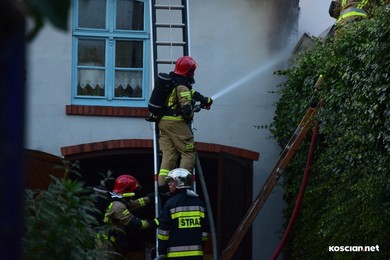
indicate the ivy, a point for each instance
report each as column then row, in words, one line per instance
column 347, row 201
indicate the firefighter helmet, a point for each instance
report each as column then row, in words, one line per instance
column 185, row 66
column 126, row 183
column 181, row 177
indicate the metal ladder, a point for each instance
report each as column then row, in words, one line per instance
column 169, row 33
column 170, row 40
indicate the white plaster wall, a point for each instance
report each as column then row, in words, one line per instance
column 230, row 47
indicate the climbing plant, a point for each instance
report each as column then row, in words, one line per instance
column 347, row 201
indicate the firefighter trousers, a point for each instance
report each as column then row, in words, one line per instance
column 176, row 142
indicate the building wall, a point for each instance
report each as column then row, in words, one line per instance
column 237, row 45
column 235, row 49
column 49, row 91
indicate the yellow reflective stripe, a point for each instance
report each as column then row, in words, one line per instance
column 170, row 98
column 163, row 237
column 190, row 147
column 106, row 219
column 186, row 94
column 185, row 253
column 141, row 202
column 163, row 172
column 126, row 212
column 344, row 3
column 173, row 118
column 196, row 213
column 106, row 237
column 128, row 194
column 349, row 14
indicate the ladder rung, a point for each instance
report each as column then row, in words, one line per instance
column 170, row 25
column 160, row 61
column 169, row 7
column 161, row 43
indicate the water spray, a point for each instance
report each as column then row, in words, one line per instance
column 250, row 76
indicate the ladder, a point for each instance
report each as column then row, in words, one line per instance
column 285, row 157
column 170, row 40
column 170, row 34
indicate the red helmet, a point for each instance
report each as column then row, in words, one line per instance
column 185, row 66
column 125, row 183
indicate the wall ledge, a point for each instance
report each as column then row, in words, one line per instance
column 82, row 110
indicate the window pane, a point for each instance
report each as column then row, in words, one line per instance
column 91, row 52
column 129, row 15
column 90, row 82
column 128, row 84
column 92, row 14
column 129, row 54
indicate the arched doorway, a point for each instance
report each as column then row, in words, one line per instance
column 227, row 171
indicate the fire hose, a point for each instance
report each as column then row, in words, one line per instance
column 301, row 192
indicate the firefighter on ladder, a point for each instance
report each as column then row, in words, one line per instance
column 176, row 137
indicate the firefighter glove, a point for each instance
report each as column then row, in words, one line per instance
column 207, row 102
column 153, row 223
column 150, row 196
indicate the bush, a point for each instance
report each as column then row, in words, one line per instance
column 60, row 222
column 347, row 200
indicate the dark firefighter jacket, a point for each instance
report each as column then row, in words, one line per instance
column 184, row 226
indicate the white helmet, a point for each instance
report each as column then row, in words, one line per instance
column 181, row 177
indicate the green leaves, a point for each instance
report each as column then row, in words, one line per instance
column 347, row 199
column 60, row 222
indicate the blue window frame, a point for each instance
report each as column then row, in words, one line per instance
column 111, row 52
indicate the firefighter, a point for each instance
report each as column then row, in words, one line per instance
column 183, row 222
column 119, row 212
column 345, row 11
column 176, row 138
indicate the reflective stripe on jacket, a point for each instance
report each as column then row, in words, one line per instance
column 180, row 97
column 352, row 8
column 184, row 226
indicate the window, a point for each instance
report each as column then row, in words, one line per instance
column 111, row 50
